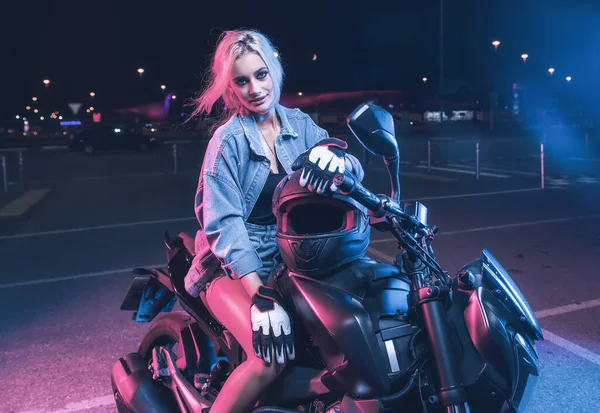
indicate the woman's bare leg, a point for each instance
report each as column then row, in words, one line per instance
column 230, row 304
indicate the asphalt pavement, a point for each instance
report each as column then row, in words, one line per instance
column 74, row 226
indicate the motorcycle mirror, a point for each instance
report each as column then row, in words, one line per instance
column 373, row 127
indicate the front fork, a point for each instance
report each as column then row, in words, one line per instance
column 428, row 299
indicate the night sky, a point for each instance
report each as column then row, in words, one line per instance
column 84, row 46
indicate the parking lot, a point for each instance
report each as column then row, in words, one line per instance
column 73, row 226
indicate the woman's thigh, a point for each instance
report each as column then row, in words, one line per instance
column 229, row 302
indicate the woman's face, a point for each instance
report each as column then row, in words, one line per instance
column 252, row 83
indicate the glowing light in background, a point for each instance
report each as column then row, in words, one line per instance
column 28, row 107
column 524, row 56
column 496, row 43
column 569, row 78
column 551, row 71
column 299, row 93
column 18, row 117
column 314, row 57
column 34, row 99
column 70, row 123
column 92, row 94
column 163, row 87
column 424, row 80
column 141, row 71
column 173, row 97
column 276, row 53
column 46, row 82
column 35, row 111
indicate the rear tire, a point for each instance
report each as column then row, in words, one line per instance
column 165, row 331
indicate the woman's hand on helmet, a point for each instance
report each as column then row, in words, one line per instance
column 321, row 163
column 271, row 327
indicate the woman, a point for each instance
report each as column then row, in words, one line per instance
column 247, row 156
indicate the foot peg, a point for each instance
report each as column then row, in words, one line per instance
column 165, row 370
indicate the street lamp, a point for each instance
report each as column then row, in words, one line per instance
column 551, row 71
column 524, row 56
column 140, row 71
column 569, row 78
column 424, row 80
column 46, row 82
column 496, row 43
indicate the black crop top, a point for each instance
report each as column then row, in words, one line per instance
column 262, row 213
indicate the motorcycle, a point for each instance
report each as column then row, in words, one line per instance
column 408, row 338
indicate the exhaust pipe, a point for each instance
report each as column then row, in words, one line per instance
column 135, row 390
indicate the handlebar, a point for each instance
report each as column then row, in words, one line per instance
column 349, row 185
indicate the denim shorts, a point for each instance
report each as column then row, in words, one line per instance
column 262, row 239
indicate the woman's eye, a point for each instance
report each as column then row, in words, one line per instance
column 262, row 75
column 241, row 82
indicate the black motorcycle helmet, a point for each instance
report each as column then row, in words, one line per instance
column 318, row 233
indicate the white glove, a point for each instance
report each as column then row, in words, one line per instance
column 271, row 327
column 321, row 164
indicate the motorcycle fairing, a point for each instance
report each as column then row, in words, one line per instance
column 495, row 277
column 509, row 363
column 147, row 297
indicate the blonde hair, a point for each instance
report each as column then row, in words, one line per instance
column 232, row 45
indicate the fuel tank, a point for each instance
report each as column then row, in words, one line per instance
column 355, row 321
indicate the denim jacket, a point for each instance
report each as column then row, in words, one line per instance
column 234, row 172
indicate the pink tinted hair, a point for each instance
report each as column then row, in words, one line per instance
column 232, row 45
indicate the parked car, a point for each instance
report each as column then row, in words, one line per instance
column 113, row 137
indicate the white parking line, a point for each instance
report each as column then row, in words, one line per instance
column 79, row 406
column 569, row 308
column 463, row 171
column 76, row 276
column 476, row 194
column 498, row 169
column 503, row 226
column 95, row 228
column 572, row 347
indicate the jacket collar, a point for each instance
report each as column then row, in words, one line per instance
column 252, row 133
